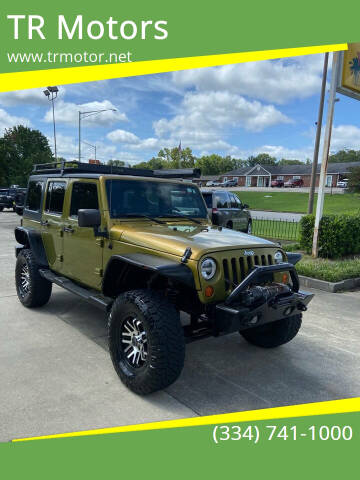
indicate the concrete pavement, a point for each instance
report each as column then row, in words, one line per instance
column 56, row 374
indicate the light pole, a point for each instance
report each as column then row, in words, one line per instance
column 52, row 90
column 90, row 145
column 89, row 114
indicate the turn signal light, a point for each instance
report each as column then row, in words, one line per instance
column 285, row 278
column 209, row 291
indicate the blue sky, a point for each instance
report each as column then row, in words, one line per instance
column 237, row 110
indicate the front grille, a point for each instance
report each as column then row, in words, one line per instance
column 235, row 269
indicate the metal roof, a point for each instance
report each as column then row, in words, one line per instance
column 333, row 168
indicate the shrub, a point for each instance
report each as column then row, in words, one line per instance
column 339, row 235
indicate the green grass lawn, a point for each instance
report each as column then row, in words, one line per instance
column 276, row 229
column 330, row 270
column 347, row 203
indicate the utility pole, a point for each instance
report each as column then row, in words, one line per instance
column 47, row 92
column 325, row 154
column 318, row 136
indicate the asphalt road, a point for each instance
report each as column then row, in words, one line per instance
column 56, row 374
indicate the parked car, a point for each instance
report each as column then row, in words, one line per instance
column 277, row 183
column 7, row 198
column 230, row 183
column 144, row 251
column 343, row 183
column 210, row 183
column 226, row 210
column 294, row 182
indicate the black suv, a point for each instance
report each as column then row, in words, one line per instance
column 7, row 198
column 227, row 210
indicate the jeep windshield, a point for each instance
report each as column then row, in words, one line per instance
column 146, row 198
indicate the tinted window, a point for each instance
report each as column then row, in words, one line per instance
column 55, row 197
column 233, row 201
column 208, row 199
column 156, row 199
column 84, row 195
column 33, row 201
column 222, row 200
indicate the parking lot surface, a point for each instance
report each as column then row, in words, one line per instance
column 56, row 374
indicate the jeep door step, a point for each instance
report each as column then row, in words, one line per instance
column 91, row 296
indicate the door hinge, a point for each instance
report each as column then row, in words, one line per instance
column 59, row 258
column 100, row 242
column 99, row 271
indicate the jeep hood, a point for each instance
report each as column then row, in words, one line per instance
column 175, row 238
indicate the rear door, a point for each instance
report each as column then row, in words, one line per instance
column 51, row 223
column 83, row 252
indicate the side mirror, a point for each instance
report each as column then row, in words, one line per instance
column 89, row 217
column 245, row 205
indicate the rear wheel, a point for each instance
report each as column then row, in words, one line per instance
column 1, row 209
column 146, row 341
column 229, row 225
column 32, row 289
column 249, row 228
column 273, row 334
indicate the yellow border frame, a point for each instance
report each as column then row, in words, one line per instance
column 63, row 76
column 304, row 410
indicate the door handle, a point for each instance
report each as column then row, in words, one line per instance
column 68, row 229
column 44, row 223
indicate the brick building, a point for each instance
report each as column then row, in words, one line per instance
column 262, row 175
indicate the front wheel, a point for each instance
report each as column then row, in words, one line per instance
column 146, row 341
column 32, row 289
column 273, row 334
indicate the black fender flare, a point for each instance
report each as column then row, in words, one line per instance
column 32, row 239
column 162, row 266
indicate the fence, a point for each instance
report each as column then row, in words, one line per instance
column 282, row 229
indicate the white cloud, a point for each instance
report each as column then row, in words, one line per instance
column 8, row 121
column 205, row 115
column 34, row 96
column 345, row 136
column 68, row 113
column 277, row 81
column 123, row 136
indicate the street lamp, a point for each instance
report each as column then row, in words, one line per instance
column 89, row 114
column 90, row 145
column 47, row 92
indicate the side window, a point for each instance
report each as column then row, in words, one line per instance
column 238, row 201
column 84, row 195
column 222, row 200
column 33, row 201
column 233, row 201
column 55, row 197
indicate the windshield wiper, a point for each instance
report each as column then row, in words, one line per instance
column 140, row 215
column 176, row 215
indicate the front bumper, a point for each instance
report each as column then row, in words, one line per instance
column 232, row 315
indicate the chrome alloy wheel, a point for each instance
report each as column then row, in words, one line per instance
column 134, row 342
column 24, row 280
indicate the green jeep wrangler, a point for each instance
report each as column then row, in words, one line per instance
column 140, row 245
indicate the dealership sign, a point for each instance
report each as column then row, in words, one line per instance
column 348, row 74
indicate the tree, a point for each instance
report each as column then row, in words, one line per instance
column 284, row 161
column 116, row 163
column 345, row 156
column 354, row 179
column 261, row 159
column 20, row 148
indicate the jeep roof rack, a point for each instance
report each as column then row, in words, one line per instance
column 80, row 167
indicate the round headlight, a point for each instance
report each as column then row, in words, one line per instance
column 208, row 268
column 279, row 257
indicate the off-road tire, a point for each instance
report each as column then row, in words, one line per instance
column 39, row 289
column 273, row 334
column 1, row 209
column 229, row 225
column 165, row 340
